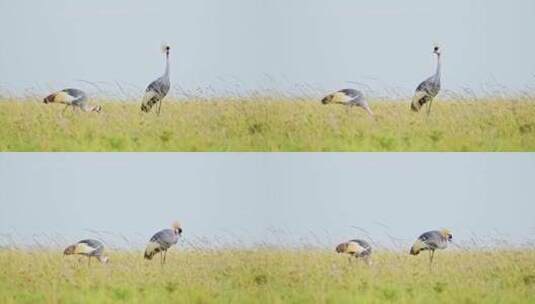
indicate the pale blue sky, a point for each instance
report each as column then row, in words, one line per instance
column 244, row 199
column 266, row 44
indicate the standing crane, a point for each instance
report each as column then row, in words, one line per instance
column 72, row 97
column 357, row 248
column 162, row 241
column 89, row 248
column 428, row 89
column 349, row 97
column 158, row 89
column 431, row 240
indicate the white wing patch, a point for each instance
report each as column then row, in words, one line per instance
column 63, row 97
column 340, row 97
column 355, row 248
column 83, row 248
column 147, row 97
column 417, row 96
column 152, row 246
column 419, row 245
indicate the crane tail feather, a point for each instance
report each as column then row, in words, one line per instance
column 417, row 247
column 149, row 100
column 420, row 98
column 152, row 249
column 148, row 255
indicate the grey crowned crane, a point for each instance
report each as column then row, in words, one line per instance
column 357, row 248
column 75, row 98
column 158, row 89
column 349, row 97
column 162, row 241
column 89, row 248
column 431, row 240
column 428, row 89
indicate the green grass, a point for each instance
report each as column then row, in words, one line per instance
column 269, row 276
column 270, row 125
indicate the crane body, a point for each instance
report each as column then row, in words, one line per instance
column 348, row 97
column 89, row 248
column 428, row 89
column 158, row 89
column 357, row 248
column 431, row 240
column 75, row 98
column 162, row 241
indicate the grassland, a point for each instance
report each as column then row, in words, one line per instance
column 270, row 125
column 269, row 276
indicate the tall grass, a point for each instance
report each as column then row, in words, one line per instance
column 271, row 124
column 269, row 276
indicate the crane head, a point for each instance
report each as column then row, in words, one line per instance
column 177, row 228
column 165, row 48
column 436, row 50
column 341, row 248
column 446, row 234
column 49, row 98
column 69, row 250
column 97, row 109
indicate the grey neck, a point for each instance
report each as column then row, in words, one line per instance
column 439, row 66
column 166, row 74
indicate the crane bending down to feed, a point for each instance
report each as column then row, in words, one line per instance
column 74, row 98
column 356, row 248
column 432, row 240
column 90, row 248
column 349, row 97
column 428, row 89
column 162, row 241
column 158, row 89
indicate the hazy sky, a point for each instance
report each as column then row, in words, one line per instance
column 266, row 44
column 249, row 198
